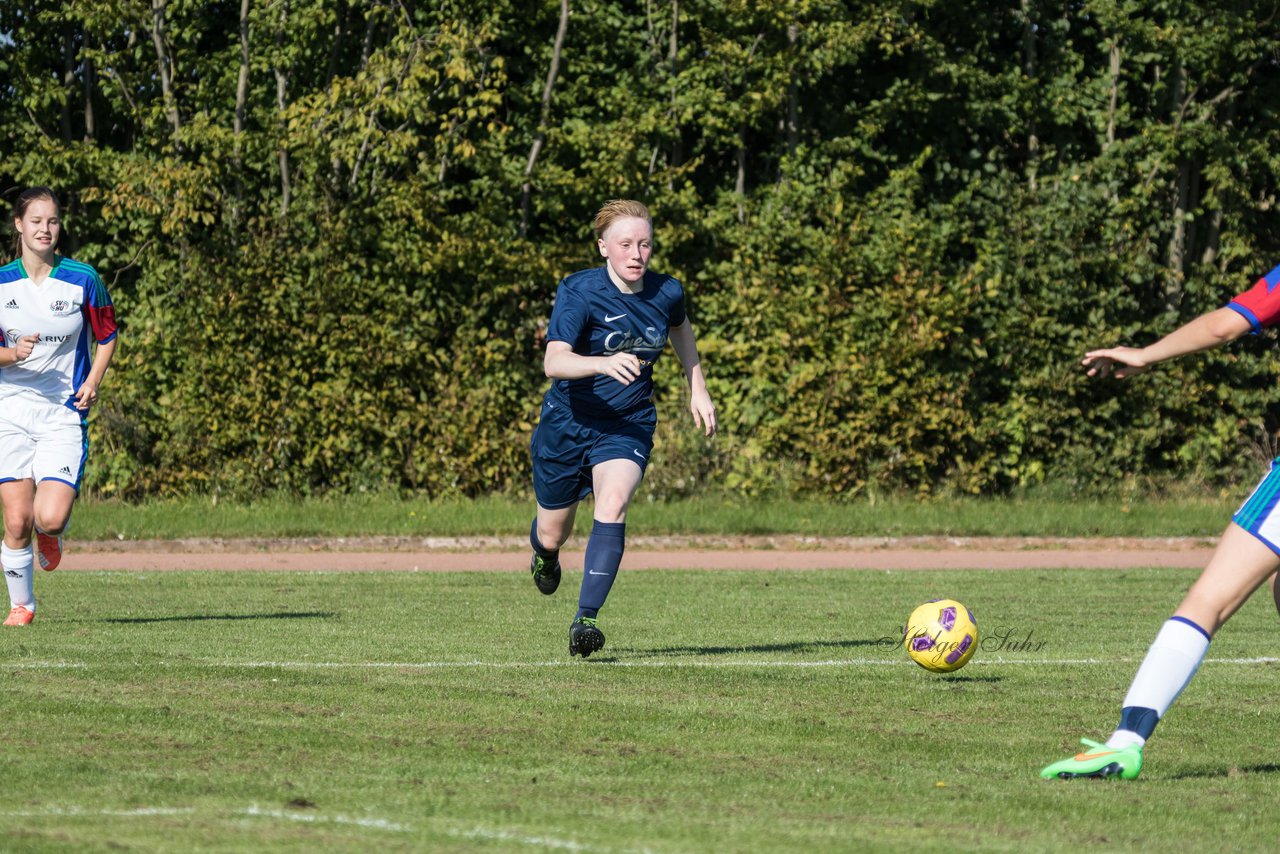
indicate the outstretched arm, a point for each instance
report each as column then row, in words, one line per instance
column 686, row 347
column 1205, row 332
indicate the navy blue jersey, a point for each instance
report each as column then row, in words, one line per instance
column 596, row 319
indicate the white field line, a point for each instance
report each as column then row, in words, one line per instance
column 523, row 839
column 255, row 811
column 652, row 662
column 375, row 823
column 79, row 812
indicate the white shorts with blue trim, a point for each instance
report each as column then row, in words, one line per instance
column 41, row 441
column 1258, row 514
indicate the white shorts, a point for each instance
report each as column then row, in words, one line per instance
column 1259, row 515
column 42, row 441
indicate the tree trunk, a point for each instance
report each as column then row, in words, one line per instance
column 1181, row 197
column 335, row 49
column 68, row 80
column 740, row 180
column 1196, row 168
column 526, row 191
column 282, row 101
column 242, row 83
column 673, row 65
column 371, row 25
column 164, row 61
column 1029, row 69
column 1211, row 241
column 793, row 96
column 1114, row 101
column 1177, row 240
column 1177, row 92
column 89, row 84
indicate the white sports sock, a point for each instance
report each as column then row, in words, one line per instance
column 1122, row 738
column 19, row 576
column 1172, row 660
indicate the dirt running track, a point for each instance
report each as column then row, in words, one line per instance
column 379, row 554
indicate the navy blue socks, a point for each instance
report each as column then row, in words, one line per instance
column 538, row 548
column 600, row 565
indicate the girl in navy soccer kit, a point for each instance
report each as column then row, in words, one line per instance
column 50, row 309
column 608, row 326
column 1247, row 554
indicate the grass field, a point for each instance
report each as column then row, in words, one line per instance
column 729, row 711
column 1046, row 513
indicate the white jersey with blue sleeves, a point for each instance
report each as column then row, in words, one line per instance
column 65, row 309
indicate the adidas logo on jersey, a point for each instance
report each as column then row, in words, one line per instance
column 13, row 303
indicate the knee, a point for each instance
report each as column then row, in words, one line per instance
column 611, row 507
column 552, row 535
column 50, row 523
column 17, row 524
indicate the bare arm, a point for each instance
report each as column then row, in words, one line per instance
column 87, row 394
column 1204, row 333
column 561, row 363
column 686, row 347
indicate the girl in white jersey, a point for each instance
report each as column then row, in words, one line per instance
column 50, row 306
column 1247, row 554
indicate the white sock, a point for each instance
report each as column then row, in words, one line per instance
column 1122, row 738
column 18, row 574
column 1172, row 660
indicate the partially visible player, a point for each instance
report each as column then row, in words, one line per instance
column 1246, row 556
column 50, row 308
column 608, row 326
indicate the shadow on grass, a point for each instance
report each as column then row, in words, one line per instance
column 280, row 615
column 794, row 646
column 951, row 677
column 1219, row 773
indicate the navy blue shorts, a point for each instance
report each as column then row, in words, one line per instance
column 565, row 446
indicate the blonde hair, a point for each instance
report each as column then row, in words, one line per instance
column 616, row 209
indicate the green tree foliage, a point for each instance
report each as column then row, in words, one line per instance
column 333, row 230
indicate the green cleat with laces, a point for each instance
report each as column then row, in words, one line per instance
column 546, row 573
column 1098, row 760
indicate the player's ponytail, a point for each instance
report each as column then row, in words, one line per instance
column 20, row 205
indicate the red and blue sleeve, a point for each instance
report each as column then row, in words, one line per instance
column 1260, row 305
column 99, row 311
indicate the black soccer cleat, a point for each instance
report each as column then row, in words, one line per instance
column 584, row 637
column 546, row 573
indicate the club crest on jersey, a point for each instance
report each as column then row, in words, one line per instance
column 60, row 307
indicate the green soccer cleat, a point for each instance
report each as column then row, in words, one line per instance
column 1098, row 761
column 546, row 573
column 584, row 637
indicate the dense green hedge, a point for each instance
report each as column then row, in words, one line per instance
column 900, row 224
